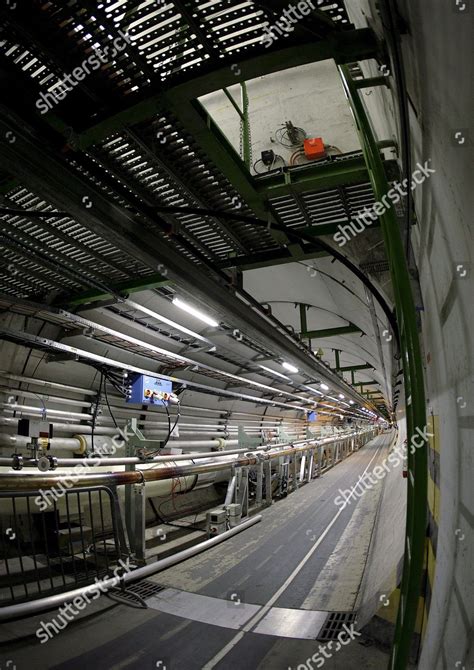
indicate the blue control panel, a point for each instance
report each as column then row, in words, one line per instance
column 146, row 390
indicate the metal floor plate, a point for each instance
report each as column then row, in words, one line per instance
column 234, row 614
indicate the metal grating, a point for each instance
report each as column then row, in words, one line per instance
column 334, row 625
column 139, row 591
column 167, row 42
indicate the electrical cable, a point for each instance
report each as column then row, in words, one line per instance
column 269, row 167
column 283, row 133
column 96, row 409
column 394, row 38
column 108, row 404
column 170, row 523
column 297, row 235
column 297, row 154
column 170, row 430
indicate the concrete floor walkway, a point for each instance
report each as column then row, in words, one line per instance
column 256, row 601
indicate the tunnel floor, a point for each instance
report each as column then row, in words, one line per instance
column 258, row 600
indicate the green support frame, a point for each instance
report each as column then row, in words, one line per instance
column 354, row 368
column 331, row 332
column 125, row 288
column 417, row 481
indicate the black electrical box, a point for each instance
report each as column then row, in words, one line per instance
column 268, row 157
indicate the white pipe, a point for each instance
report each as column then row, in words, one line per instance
column 43, row 382
column 55, row 443
column 42, row 396
column 78, row 443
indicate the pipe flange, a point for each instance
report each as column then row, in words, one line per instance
column 44, row 464
column 82, row 444
column 221, row 444
column 17, row 462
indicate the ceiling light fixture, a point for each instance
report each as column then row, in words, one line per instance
column 289, row 367
column 195, row 312
column 274, row 372
column 324, row 387
column 310, row 388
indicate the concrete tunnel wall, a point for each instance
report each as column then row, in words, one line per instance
column 440, row 87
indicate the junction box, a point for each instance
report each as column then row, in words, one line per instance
column 314, row 148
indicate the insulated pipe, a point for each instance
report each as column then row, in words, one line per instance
column 80, row 443
column 88, row 391
column 124, row 460
column 96, row 462
column 35, row 606
column 61, row 443
column 30, row 482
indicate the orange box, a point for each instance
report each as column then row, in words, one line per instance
column 314, row 148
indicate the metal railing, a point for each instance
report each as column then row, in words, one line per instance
column 55, row 548
column 417, row 481
column 47, row 549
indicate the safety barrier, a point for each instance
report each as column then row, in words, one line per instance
column 57, row 537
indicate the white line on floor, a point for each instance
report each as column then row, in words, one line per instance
column 265, row 608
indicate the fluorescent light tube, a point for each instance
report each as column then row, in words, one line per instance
column 289, row 367
column 194, row 312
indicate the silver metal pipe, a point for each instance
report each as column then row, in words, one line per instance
column 44, row 382
column 230, row 491
column 12, row 392
column 35, row 606
column 18, row 481
column 97, row 462
column 20, row 441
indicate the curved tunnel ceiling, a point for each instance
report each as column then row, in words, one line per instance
column 108, row 174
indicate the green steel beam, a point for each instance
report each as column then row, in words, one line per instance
column 194, row 117
column 329, row 228
column 362, row 384
column 349, row 368
column 369, row 82
column 303, row 320
column 417, row 480
column 345, row 46
column 124, row 288
column 337, row 354
column 330, row 332
column 314, row 177
column 234, row 103
column 269, row 259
